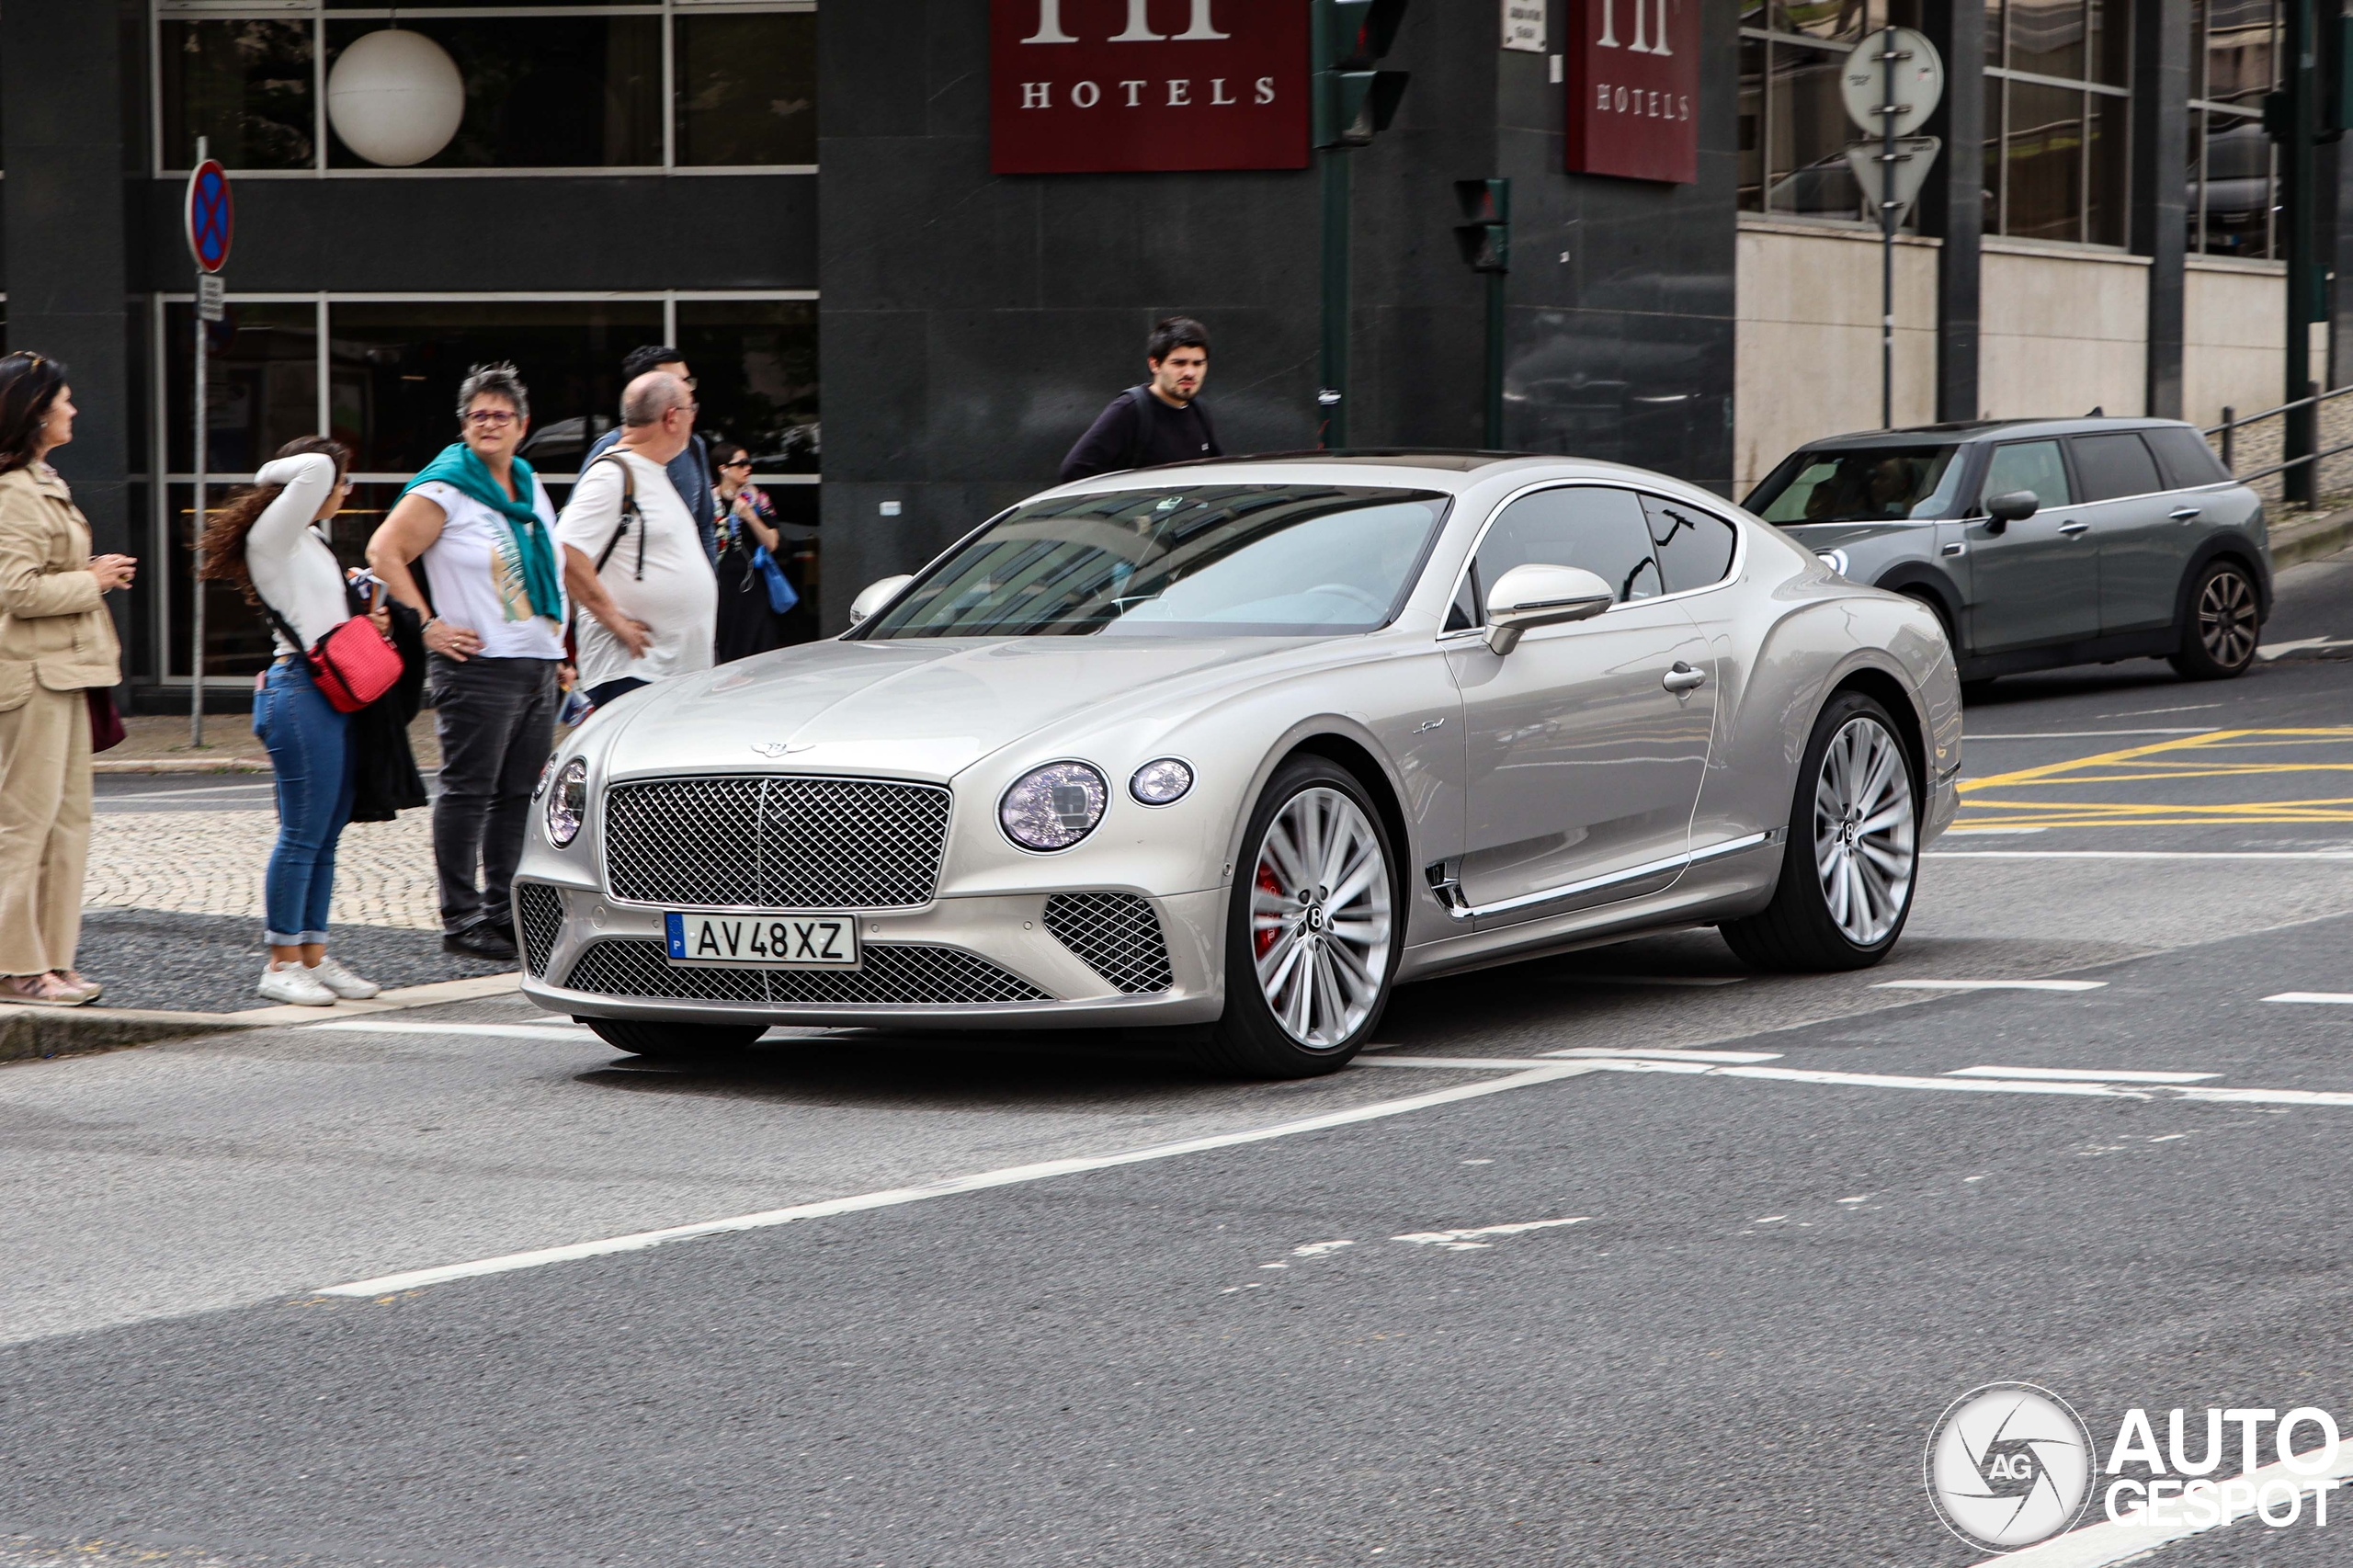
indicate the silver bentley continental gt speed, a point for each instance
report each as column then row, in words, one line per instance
column 1239, row 746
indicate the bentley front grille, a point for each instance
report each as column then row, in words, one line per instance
column 766, row 841
column 893, row 974
column 539, row 920
column 1116, row 934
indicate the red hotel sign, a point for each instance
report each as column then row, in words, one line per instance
column 1088, row 86
column 1633, row 74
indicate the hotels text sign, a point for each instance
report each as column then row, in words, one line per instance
column 1088, row 86
column 1633, row 76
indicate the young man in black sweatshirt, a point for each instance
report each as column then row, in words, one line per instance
column 1159, row 422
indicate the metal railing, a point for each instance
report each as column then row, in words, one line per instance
column 2232, row 421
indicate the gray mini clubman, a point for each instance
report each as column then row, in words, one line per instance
column 2042, row 543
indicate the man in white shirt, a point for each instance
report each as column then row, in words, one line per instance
column 633, row 559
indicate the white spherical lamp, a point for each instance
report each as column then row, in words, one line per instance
column 396, row 97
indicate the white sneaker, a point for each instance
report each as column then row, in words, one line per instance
column 293, row 982
column 341, row 981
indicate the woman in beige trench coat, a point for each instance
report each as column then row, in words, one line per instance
column 56, row 642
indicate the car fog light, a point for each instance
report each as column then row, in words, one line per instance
column 567, row 802
column 1834, row 559
column 1053, row 807
column 1160, row 783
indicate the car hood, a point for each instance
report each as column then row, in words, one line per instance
column 926, row 708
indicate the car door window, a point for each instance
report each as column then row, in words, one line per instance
column 1694, row 548
column 2029, row 465
column 1600, row 529
column 2115, row 466
column 2185, row 458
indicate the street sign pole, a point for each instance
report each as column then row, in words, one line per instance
column 1888, row 57
column 1884, row 104
column 211, row 221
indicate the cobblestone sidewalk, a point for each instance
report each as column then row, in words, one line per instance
column 197, row 862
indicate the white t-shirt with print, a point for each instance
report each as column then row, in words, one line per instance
column 677, row 594
column 474, row 575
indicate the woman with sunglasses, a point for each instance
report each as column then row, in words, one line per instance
column 269, row 542
column 748, row 622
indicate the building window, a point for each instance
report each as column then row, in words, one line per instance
column 2056, row 117
column 1793, row 124
column 548, row 86
column 381, row 377
column 2233, row 175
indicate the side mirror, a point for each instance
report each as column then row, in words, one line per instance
column 2010, row 507
column 875, row 596
column 1535, row 594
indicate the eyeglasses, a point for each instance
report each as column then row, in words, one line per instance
column 495, row 417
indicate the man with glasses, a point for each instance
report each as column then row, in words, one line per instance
column 479, row 521
column 690, row 469
column 649, row 601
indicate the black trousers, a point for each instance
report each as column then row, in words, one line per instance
column 496, row 719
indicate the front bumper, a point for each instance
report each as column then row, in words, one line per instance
column 1002, row 939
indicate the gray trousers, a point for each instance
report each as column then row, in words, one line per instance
column 496, row 719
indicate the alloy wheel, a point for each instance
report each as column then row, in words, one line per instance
column 1320, row 917
column 2226, row 619
column 1864, row 848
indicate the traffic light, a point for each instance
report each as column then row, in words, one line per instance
column 1486, row 239
column 1354, row 102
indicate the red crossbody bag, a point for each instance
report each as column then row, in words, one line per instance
column 352, row 665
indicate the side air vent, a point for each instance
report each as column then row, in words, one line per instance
column 1116, row 934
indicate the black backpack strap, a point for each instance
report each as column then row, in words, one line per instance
column 629, row 510
column 1140, row 396
column 1207, row 428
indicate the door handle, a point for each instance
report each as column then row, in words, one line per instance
column 2073, row 529
column 2183, row 514
column 1683, row 678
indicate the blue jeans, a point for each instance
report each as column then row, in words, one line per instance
column 309, row 749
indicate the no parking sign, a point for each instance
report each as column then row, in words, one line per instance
column 211, row 216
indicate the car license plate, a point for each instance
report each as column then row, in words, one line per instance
column 764, row 941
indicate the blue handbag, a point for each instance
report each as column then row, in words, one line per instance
column 780, row 595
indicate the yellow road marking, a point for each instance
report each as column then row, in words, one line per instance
column 2156, row 766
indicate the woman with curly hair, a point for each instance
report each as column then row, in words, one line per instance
column 267, row 543
column 57, row 648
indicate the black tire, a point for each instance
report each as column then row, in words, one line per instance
column 675, row 1043
column 1250, row 1040
column 1798, row 930
column 2220, row 623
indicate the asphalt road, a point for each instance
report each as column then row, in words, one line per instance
column 1360, row 1340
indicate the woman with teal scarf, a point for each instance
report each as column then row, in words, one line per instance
column 479, row 522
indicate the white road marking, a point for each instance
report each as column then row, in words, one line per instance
column 2270, row 651
column 1866, row 1198
column 2086, row 734
column 2075, row 1075
column 2097, row 1545
column 1477, row 1063
column 1318, row 1249
column 1989, row 985
column 417, row 1278
column 1994, row 1085
column 2343, row 998
column 1468, row 1241
column 1590, row 1052
column 571, row 1032
column 1987, row 830
column 2138, row 855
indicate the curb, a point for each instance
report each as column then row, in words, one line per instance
column 2310, row 542
column 35, row 1033
column 180, row 764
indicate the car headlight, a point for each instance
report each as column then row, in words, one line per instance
column 1053, row 807
column 567, row 802
column 1160, row 783
column 1834, row 559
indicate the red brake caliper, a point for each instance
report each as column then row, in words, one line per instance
column 1265, row 936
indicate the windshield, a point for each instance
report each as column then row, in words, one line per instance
column 1203, row 560
column 1869, row 485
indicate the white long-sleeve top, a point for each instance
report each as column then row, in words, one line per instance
column 292, row 567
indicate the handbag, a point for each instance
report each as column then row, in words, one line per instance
column 352, row 665
column 781, row 597
column 105, row 723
